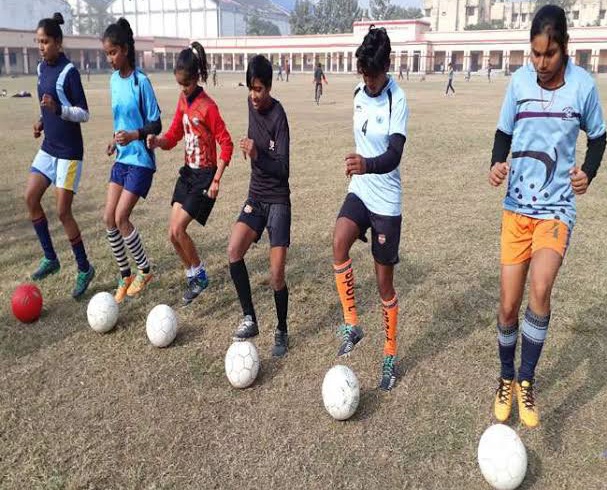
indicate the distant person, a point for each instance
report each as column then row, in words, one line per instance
column 288, row 70
column 63, row 108
column 214, row 74
column 279, row 76
column 468, row 75
column 22, row 94
column 197, row 120
column 450, row 80
column 489, row 68
column 87, row 68
column 400, row 72
column 319, row 78
column 407, row 72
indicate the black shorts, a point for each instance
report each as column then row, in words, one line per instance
column 385, row 230
column 275, row 217
column 191, row 192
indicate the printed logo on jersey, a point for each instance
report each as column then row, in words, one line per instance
column 359, row 108
column 569, row 114
column 196, row 121
column 272, row 145
column 379, row 119
column 381, row 239
column 248, row 209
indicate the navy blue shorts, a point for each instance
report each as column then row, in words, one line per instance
column 385, row 230
column 133, row 178
column 275, row 217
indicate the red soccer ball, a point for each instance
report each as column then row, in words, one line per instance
column 27, row 303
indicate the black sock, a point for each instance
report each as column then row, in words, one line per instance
column 240, row 276
column 281, row 298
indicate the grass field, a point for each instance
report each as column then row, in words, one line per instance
column 82, row 410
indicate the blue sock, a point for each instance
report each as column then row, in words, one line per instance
column 80, row 253
column 41, row 227
column 506, row 341
column 535, row 328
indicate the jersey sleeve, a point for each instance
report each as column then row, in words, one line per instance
column 220, row 132
column 399, row 117
column 175, row 132
column 150, row 104
column 74, row 90
column 508, row 113
column 592, row 118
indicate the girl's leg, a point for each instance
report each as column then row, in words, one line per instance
column 385, row 283
column 345, row 234
column 183, row 244
column 278, row 259
column 114, row 237
column 35, row 188
column 240, row 240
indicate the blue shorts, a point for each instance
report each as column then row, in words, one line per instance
column 133, row 178
column 65, row 174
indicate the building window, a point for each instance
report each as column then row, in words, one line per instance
column 12, row 58
column 428, row 12
column 469, row 11
column 514, row 17
column 523, row 17
column 602, row 14
column 576, row 15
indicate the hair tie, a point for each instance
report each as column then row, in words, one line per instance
column 194, row 50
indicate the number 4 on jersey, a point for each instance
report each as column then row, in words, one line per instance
column 364, row 130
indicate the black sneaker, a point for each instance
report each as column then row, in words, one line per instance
column 196, row 285
column 281, row 343
column 247, row 329
column 351, row 335
column 388, row 376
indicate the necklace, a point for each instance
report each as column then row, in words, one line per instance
column 545, row 107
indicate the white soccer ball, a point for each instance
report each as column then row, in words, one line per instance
column 340, row 392
column 161, row 325
column 502, row 457
column 242, row 364
column 102, row 312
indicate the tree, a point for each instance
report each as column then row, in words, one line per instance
column 564, row 4
column 302, row 18
column 260, row 27
column 335, row 16
column 95, row 21
column 382, row 9
column 407, row 13
column 486, row 26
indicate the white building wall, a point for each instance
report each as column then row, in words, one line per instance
column 25, row 14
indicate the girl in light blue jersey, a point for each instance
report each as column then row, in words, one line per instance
column 136, row 115
column 547, row 103
column 374, row 195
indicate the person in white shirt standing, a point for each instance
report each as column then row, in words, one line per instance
column 374, row 194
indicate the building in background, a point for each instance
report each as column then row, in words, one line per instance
column 25, row 14
column 178, row 18
column 460, row 15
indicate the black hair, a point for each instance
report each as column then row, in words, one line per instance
column 121, row 34
column 52, row 26
column 193, row 61
column 373, row 55
column 260, row 68
column 552, row 21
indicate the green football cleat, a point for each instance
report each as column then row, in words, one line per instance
column 83, row 279
column 46, row 268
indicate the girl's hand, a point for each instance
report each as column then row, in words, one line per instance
column 123, row 137
column 38, row 127
column 579, row 181
column 111, row 148
column 248, row 148
column 153, row 141
column 355, row 165
column 498, row 173
column 213, row 189
column 49, row 103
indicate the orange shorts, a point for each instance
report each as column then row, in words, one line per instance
column 522, row 236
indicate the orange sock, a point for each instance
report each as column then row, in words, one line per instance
column 390, row 313
column 344, row 279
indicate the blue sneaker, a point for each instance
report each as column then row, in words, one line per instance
column 46, row 268
column 196, row 285
column 351, row 335
column 83, row 279
column 388, row 373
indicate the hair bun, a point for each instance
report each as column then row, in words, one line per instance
column 57, row 17
column 124, row 24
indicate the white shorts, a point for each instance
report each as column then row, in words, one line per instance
column 65, row 174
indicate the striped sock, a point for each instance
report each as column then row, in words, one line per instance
column 506, row 341
column 119, row 251
column 390, row 315
column 133, row 243
column 44, row 236
column 80, row 253
column 535, row 328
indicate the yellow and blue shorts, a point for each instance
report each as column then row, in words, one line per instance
column 522, row 236
column 64, row 174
